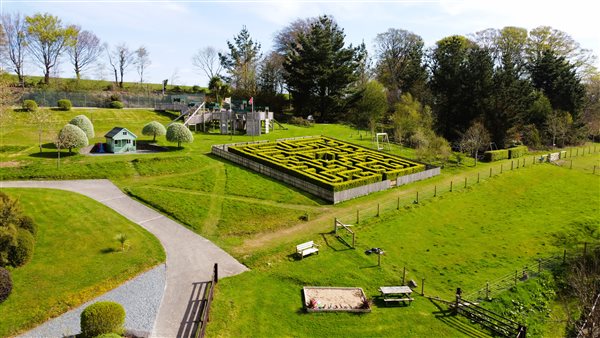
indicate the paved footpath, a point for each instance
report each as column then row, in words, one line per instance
column 190, row 257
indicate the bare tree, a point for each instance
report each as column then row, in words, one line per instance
column 46, row 40
column 142, row 61
column 84, row 51
column 15, row 34
column 40, row 118
column 120, row 58
column 476, row 138
column 557, row 125
column 207, row 60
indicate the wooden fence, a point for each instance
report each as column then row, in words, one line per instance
column 204, row 316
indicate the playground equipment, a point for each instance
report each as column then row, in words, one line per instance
column 339, row 225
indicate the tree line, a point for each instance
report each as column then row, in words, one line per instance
column 43, row 40
column 497, row 87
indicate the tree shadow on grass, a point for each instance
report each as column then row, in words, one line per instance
column 108, row 250
column 52, row 154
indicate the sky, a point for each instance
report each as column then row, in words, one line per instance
column 173, row 31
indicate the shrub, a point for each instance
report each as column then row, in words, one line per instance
column 518, row 151
column 102, row 318
column 21, row 253
column 30, row 105
column 71, row 136
column 177, row 132
column 64, row 104
column 115, row 97
column 116, row 105
column 84, row 124
column 28, row 224
column 5, row 284
column 299, row 121
column 154, row 129
column 495, row 155
column 109, row 335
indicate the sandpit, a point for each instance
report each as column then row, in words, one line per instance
column 339, row 299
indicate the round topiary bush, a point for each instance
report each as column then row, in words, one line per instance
column 30, row 105
column 71, row 136
column 154, row 129
column 28, row 224
column 5, row 284
column 102, row 318
column 116, row 105
column 84, row 123
column 178, row 132
column 64, row 104
column 21, row 253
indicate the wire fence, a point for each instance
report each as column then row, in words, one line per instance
column 47, row 98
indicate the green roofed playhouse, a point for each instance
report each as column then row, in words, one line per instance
column 120, row 140
column 323, row 166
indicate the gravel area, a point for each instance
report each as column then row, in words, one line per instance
column 140, row 297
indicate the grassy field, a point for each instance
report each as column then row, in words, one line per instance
column 460, row 240
column 456, row 239
column 76, row 257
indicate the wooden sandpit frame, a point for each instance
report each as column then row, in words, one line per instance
column 335, row 299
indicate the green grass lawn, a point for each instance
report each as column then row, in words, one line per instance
column 460, row 240
column 76, row 257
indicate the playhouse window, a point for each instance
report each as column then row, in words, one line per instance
column 124, row 133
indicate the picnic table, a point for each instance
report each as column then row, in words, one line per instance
column 396, row 294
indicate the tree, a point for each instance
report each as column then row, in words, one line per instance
column 84, row 51
column 207, row 60
column 475, row 139
column 40, row 118
column 411, row 118
column 399, row 66
column 371, row 106
column 120, row 58
column 320, row 70
column 141, row 61
column 591, row 111
column 47, row 39
column 558, row 80
column 15, row 31
column 288, row 35
column 241, row 63
column 219, row 89
column 558, row 124
column 84, row 123
column 177, row 132
column 154, row 129
column 71, row 136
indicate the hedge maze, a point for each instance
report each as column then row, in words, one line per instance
column 327, row 162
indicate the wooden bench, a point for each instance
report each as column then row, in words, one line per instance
column 307, row 248
column 398, row 299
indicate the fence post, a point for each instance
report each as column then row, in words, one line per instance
column 357, row 216
column 487, row 290
column 465, row 182
column 571, row 166
column 490, row 172
column 516, row 278
column 539, row 265
column 335, row 226
column 435, row 191
column 377, row 209
column 577, row 152
column 518, row 163
column 512, row 164
column 417, row 197
column 594, row 169
column 398, row 208
column 564, row 256
column 422, row 286
column 404, row 276
column 524, row 162
column 216, row 271
column 477, row 177
column 501, row 167
column 450, row 186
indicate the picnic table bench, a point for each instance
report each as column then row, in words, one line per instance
column 307, row 248
column 396, row 294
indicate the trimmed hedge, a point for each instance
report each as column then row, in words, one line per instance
column 21, row 253
column 102, row 318
column 6, row 284
column 518, row 151
column 116, row 105
column 30, row 105
column 64, row 104
column 495, row 155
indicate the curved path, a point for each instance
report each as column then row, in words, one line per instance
column 190, row 257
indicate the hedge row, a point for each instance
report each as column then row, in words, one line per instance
column 495, row 155
column 518, row 151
